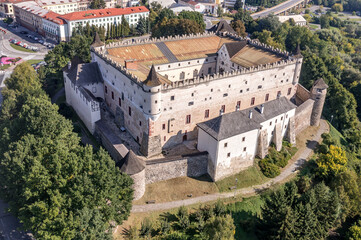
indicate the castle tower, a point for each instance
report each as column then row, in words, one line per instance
column 318, row 94
column 151, row 144
column 298, row 57
column 135, row 168
column 97, row 43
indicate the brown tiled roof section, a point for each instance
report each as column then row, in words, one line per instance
column 132, row 164
column 320, row 83
column 250, row 56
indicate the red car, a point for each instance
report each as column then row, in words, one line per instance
column 18, row 43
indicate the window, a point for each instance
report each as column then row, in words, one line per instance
column 190, row 103
column 238, row 104
column 165, row 138
column 225, row 95
column 130, row 111
column 140, row 123
column 209, row 70
column 267, row 97
column 281, row 118
column 279, row 94
column 188, row 119
column 223, row 108
column 192, row 94
column 123, row 96
column 259, row 86
column 195, row 73
column 289, row 91
column 228, row 155
column 171, row 98
column 112, row 95
column 182, row 75
column 163, row 126
column 225, row 145
column 211, row 89
column 252, row 101
column 119, row 102
column 106, row 89
column 206, row 113
column 244, row 149
column 270, row 123
column 243, row 139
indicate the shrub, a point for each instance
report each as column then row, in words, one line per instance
column 269, row 169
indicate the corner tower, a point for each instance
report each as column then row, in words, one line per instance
column 151, row 143
column 318, row 94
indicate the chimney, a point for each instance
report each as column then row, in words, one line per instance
column 69, row 65
column 131, row 64
column 250, row 114
column 262, row 108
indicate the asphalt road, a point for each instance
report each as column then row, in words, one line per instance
column 276, row 9
column 9, row 225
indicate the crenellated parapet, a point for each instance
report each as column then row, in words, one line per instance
column 216, row 76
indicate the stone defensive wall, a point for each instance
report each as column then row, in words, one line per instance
column 192, row 165
column 304, row 109
column 101, row 52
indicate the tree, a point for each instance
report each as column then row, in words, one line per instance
column 238, row 26
column 142, row 26
column 97, row 4
column 220, row 228
column 244, row 16
column 270, row 23
column 125, row 30
column 220, row 10
column 324, row 21
column 175, row 27
column 238, row 5
column 194, row 16
column 354, row 232
column 332, row 163
column 337, row 7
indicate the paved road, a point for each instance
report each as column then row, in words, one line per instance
column 277, row 9
column 9, row 225
column 290, row 169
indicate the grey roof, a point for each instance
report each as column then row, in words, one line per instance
column 87, row 73
column 167, row 52
column 238, row 122
column 132, row 164
column 152, row 79
column 222, row 26
column 234, row 47
column 320, row 83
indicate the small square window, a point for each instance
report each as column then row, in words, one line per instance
column 225, row 145
column 165, row 138
column 190, row 103
column 163, row 126
column 211, row 89
column 228, row 155
column 281, row 118
column 192, row 94
column 270, row 123
column 243, row 139
column 225, row 95
column 171, row 98
column 140, row 123
column 188, row 119
column 244, row 149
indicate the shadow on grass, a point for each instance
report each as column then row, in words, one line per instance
column 203, row 178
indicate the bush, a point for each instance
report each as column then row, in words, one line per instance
column 269, row 169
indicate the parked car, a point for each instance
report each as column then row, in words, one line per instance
column 24, row 32
column 41, row 41
column 18, row 43
column 36, row 39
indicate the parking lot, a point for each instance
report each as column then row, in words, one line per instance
column 25, row 36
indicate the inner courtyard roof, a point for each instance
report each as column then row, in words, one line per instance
column 185, row 49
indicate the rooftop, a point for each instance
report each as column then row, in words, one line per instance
column 238, row 122
column 297, row 18
column 100, row 13
column 54, row 17
column 32, row 7
column 54, row 2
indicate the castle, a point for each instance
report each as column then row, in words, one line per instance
column 191, row 105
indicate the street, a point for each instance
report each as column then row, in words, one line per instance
column 276, row 9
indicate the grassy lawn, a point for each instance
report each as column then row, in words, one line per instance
column 19, row 48
column 246, row 178
column 335, row 134
column 244, row 216
column 314, row 26
column 4, row 67
column 178, row 188
column 34, row 61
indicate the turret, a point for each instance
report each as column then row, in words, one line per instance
column 318, row 94
column 298, row 56
column 152, row 88
column 97, row 43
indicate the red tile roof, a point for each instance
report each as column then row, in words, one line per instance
column 54, row 17
column 100, row 13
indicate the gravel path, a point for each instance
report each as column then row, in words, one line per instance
column 244, row 191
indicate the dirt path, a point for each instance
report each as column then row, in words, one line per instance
column 290, row 169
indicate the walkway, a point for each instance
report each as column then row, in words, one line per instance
column 244, row 191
